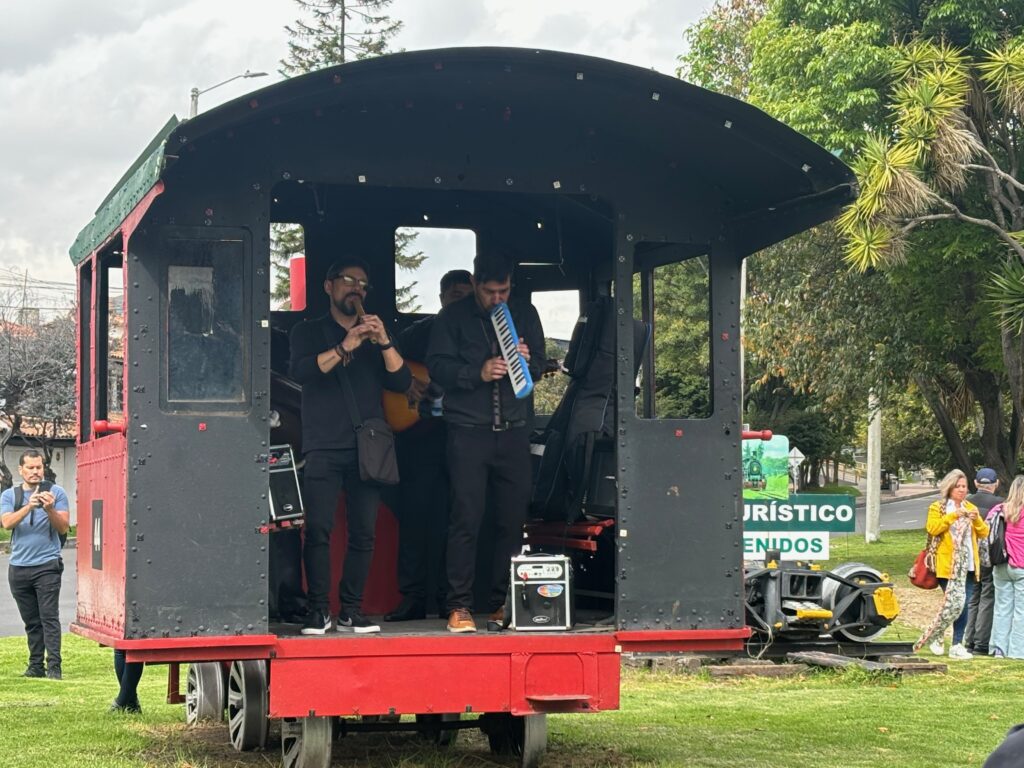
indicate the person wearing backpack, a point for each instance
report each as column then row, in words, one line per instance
column 1007, row 558
column 983, row 596
column 37, row 516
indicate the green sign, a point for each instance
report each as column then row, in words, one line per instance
column 801, row 512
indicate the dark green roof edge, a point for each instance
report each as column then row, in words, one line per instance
column 126, row 194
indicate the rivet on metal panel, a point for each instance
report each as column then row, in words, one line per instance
column 579, row 75
column 437, row 179
column 361, row 179
column 509, row 182
column 286, row 175
column 805, row 167
column 623, row 533
column 728, row 123
column 655, row 96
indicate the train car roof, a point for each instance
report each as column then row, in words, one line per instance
column 772, row 181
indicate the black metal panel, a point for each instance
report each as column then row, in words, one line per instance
column 680, row 533
column 197, row 480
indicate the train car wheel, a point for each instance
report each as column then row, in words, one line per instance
column 306, row 742
column 523, row 737
column 431, row 731
column 205, row 692
column 247, row 704
column 833, row 593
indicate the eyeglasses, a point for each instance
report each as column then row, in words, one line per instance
column 353, row 281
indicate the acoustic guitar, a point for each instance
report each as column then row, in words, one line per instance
column 400, row 410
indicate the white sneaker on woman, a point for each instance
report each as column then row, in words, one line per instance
column 960, row 653
column 937, row 647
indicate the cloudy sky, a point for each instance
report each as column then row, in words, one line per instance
column 85, row 84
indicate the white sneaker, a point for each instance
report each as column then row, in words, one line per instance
column 937, row 647
column 960, row 653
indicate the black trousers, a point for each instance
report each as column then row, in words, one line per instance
column 326, row 474
column 422, row 512
column 485, row 464
column 36, row 591
column 129, row 673
column 979, row 612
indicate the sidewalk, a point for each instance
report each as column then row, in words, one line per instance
column 906, row 491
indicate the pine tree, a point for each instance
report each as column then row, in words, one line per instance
column 336, row 31
column 333, row 32
column 409, row 259
column 286, row 240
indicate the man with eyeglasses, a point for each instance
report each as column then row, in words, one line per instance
column 359, row 342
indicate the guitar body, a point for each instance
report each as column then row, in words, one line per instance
column 398, row 411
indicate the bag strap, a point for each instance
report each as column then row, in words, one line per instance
column 346, row 385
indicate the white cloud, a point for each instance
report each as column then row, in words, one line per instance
column 87, row 83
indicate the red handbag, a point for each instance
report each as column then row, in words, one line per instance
column 922, row 572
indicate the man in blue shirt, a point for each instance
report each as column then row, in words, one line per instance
column 36, row 520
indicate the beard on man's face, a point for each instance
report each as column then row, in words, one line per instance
column 346, row 305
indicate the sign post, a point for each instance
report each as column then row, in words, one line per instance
column 796, row 458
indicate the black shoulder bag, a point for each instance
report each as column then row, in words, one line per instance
column 375, row 442
column 19, row 500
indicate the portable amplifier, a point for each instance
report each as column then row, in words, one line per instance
column 541, row 593
column 285, row 494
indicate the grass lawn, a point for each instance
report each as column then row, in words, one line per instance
column 821, row 720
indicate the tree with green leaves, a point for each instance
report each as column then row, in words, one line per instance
column 831, row 69
column 335, row 31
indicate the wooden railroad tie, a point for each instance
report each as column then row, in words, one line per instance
column 901, row 665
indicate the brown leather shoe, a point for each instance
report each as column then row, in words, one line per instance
column 496, row 621
column 460, row 620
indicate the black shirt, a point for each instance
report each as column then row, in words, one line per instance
column 461, row 341
column 415, row 339
column 326, row 423
column 984, row 501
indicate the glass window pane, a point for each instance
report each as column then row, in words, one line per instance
column 205, row 300
column 682, row 334
column 115, row 343
column 559, row 311
column 422, row 256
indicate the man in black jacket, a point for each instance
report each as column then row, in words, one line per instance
column 422, row 507
column 488, row 431
column 318, row 347
column 983, row 596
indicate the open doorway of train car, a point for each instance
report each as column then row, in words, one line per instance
column 563, row 248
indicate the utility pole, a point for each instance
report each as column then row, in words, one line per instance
column 873, row 480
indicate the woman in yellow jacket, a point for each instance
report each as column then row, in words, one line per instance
column 958, row 525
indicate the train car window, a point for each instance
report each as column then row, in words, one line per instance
column 85, row 281
column 558, row 312
column 675, row 300
column 206, row 320
column 108, row 316
column 422, row 256
column 287, row 244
